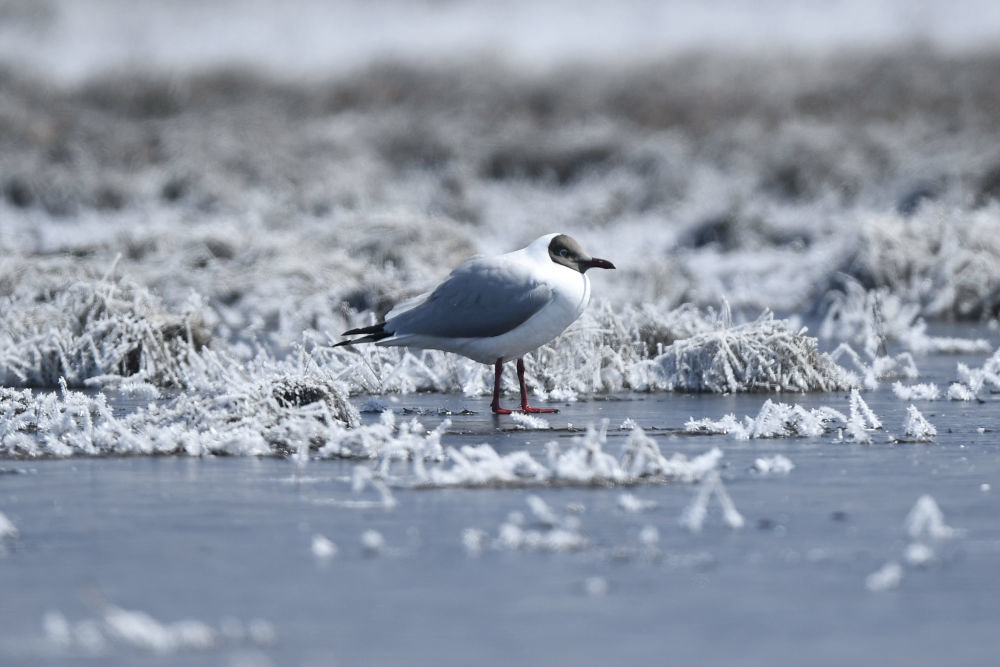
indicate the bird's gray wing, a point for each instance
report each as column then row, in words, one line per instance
column 481, row 298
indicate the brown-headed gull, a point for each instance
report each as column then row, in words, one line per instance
column 494, row 309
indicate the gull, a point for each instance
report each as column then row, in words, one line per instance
column 495, row 309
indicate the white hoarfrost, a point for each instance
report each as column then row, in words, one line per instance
column 973, row 381
column 916, row 428
column 773, row 465
column 775, row 420
column 871, row 318
column 780, row 420
column 763, row 355
column 926, row 527
column 885, row 578
column 916, row 392
column 548, row 531
column 694, row 515
column 959, row 392
column 129, row 629
column 7, row 528
column 529, row 422
column 583, row 463
column 629, row 503
column 323, row 548
column 926, row 521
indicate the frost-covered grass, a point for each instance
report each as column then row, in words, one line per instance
column 86, row 329
column 199, row 240
column 295, row 207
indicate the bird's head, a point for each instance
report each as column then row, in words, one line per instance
column 565, row 250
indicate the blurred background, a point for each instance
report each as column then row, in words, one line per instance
column 294, row 168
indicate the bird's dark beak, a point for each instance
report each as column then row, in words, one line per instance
column 596, row 263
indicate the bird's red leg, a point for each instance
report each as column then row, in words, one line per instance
column 495, row 405
column 524, row 393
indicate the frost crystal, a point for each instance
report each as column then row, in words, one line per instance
column 137, row 630
column 694, row 514
column 596, row 586
column 885, row 578
column 917, row 392
column 959, row 392
column 323, row 548
column 926, row 521
column 774, row 420
column 583, row 463
column 629, row 503
column 7, row 528
column 529, row 422
column 549, row 533
column 372, row 542
column 916, row 428
column 872, row 317
column 777, row 464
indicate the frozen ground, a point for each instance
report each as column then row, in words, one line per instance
column 190, row 474
column 277, row 561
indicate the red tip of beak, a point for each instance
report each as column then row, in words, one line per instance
column 596, row 262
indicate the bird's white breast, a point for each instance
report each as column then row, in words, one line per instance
column 570, row 295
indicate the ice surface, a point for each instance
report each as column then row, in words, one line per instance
column 183, row 238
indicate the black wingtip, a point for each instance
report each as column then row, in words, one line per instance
column 373, row 329
column 375, row 332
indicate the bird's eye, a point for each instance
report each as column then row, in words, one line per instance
column 563, row 252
